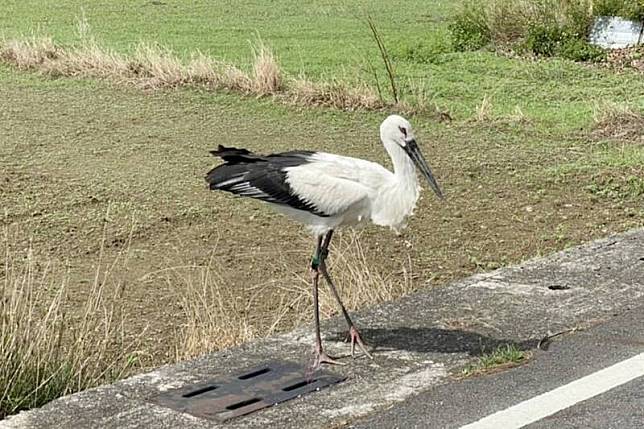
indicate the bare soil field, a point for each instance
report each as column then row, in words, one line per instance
column 95, row 174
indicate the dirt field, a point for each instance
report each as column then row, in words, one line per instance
column 85, row 161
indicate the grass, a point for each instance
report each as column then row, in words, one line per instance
column 343, row 45
column 47, row 349
column 618, row 122
column 524, row 163
column 215, row 316
column 294, row 29
column 503, row 357
column 50, row 349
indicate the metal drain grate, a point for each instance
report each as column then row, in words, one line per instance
column 248, row 391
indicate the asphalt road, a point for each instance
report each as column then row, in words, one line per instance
column 568, row 358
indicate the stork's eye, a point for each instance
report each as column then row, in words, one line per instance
column 403, row 130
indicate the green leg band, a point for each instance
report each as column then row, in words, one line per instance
column 318, row 258
column 315, row 262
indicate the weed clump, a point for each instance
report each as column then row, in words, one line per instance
column 543, row 28
column 44, row 354
column 469, row 30
column 504, row 356
column 552, row 40
column 267, row 75
column 618, row 122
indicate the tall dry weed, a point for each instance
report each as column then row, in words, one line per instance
column 214, row 315
column 46, row 351
column 267, row 75
column 359, row 282
column 484, row 110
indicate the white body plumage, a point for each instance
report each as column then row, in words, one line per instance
column 354, row 190
column 326, row 191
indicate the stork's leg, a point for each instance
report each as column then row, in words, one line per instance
column 354, row 335
column 320, row 355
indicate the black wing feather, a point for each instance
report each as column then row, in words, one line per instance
column 261, row 177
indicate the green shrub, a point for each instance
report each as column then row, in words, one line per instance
column 630, row 9
column 468, row 30
column 424, row 51
column 544, row 40
column 541, row 27
column 551, row 41
column 581, row 50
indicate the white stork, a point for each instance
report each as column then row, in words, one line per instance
column 325, row 191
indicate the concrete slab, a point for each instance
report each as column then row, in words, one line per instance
column 569, row 358
column 417, row 340
column 613, row 32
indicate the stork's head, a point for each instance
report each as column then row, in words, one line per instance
column 396, row 129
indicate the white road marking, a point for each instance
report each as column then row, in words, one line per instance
column 534, row 409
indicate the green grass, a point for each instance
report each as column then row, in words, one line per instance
column 331, row 40
column 334, row 30
column 503, row 357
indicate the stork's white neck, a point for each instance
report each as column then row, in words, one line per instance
column 397, row 199
column 404, row 168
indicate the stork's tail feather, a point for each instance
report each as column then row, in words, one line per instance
column 232, row 155
column 233, row 169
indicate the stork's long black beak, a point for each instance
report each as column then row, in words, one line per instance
column 414, row 153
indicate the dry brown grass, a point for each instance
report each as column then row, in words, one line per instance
column 214, row 316
column 618, row 122
column 358, row 280
column 267, row 75
column 153, row 66
column 335, row 94
column 29, row 53
column 208, row 72
column 47, row 351
column 217, row 317
column 484, row 110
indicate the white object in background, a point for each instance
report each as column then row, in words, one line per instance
column 613, row 32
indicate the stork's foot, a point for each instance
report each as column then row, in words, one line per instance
column 321, row 357
column 354, row 337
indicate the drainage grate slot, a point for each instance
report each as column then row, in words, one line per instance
column 254, row 374
column 242, row 403
column 558, row 287
column 199, row 391
column 298, row 385
column 246, row 391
